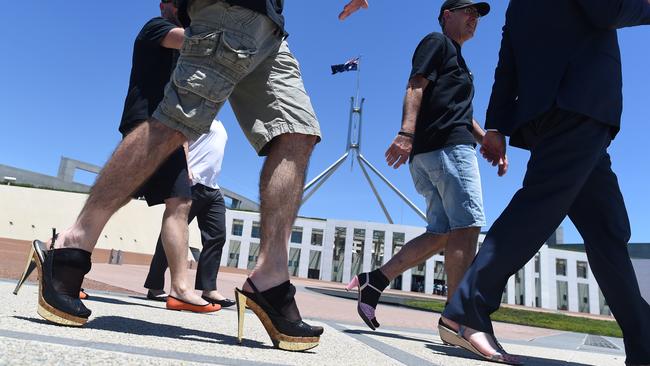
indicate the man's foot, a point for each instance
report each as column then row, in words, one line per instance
column 370, row 286
column 482, row 344
column 215, row 297
column 157, row 295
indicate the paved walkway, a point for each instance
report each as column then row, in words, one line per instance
column 129, row 329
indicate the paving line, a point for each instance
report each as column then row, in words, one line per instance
column 384, row 348
column 140, row 351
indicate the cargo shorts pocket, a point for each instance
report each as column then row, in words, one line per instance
column 211, row 63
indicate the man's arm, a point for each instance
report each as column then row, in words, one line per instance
column 174, row 39
column 400, row 150
column 614, row 14
column 478, row 132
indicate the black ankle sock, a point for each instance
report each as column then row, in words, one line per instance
column 377, row 280
column 281, row 298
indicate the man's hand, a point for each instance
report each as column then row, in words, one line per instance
column 494, row 151
column 353, row 6
column 399, row 151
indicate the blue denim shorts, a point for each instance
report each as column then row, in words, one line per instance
column 450, row 182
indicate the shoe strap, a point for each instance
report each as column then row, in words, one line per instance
column 54, row 237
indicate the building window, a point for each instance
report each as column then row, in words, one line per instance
column 378, row 240
column 314, row 264
column 237, row 227
column 358, row 245
column 253, row 253
column 583, row 297
column 562, row 295
column 560, row 267
column 339, row 253
column 604, row 308
column 504, row 295
column 294, row 261
column 398, row 243
column 233, row 253
column 317, row 237
column 255, row 230
column 520, row 287
column 537, row 263
column 583, row 269
column 296, row 235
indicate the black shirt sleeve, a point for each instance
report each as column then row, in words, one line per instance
column 428, row 57
column 155, row 31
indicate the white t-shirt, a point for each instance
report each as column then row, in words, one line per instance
column 206, row 155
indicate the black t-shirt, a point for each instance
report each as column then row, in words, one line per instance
column 445, row 117
column 151, row 69
column 270, row 8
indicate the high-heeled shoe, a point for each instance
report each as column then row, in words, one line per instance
column 37, row 253
column 35, row 260
column 365, row 305
column 285, row 333
column 61, row 275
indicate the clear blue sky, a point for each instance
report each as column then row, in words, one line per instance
column 66, row 67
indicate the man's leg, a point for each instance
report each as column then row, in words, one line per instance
column 414, row 253
column 459, row 253
column 600, row 216
column 175, row 236
column 281, row 188
column 560, row 163
column 155, row 281
column 136, row 157
column 212, row 222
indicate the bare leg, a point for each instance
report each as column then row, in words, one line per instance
column 460, row 251
column 281, row 183
column 175, row 236
column 413, row 253
column 133, row 162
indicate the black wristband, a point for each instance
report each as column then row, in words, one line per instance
column 407, row 134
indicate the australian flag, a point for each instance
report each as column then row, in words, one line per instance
column 351, row 65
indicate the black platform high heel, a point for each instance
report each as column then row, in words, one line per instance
column 285, row 333
column 61, row 275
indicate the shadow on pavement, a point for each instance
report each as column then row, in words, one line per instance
column 382, row 334
column 110, row 300
column 527, row 360
column 144, row 328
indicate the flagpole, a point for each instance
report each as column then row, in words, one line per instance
column 358, row 82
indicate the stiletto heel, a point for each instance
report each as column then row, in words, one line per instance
column 286, row 334
column 241, row 310
column 29, row 268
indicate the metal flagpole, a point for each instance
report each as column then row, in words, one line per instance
column 353, row 147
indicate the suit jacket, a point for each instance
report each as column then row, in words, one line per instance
column 561, row 53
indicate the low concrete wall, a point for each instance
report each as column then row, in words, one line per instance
column 30, row 213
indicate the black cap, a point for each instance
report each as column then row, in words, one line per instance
column 483, row 8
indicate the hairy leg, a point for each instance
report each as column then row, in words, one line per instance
column 460, row 251
column 413, row 253
column 133, row 162
column 281, row 188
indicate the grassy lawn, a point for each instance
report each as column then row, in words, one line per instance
column 537, row 319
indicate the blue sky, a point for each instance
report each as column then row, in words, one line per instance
column 66, row 67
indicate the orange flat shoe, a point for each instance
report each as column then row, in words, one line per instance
column 180, row 305
column 82, row 294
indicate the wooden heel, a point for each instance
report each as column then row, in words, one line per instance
column 29, row 268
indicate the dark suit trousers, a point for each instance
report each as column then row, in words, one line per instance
column 569, row 173
column 209, row 209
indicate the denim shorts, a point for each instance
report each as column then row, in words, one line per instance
column 231, row 52
column 450, row 182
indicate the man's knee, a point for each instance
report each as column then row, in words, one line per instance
column 178, row 207
column 294, row 142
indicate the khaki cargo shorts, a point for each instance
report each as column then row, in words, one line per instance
column 234, row 53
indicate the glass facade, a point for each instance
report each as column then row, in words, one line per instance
column 294, row 261
column 562, row 295
column 339, row 253
column 398, row 243
column 604, row 308
column 317, row 237
column 378, row 240
column 296, row 235
column 560, row 267
column 255, row 230
column 314, row 264
column 253, row 253
column 233, row 253
column 520, row 279
column 582, row 269
column 583, row 297
column 358, row 244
